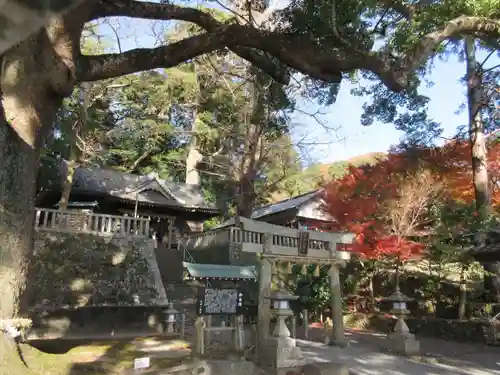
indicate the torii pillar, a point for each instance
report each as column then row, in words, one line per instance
column 264, row 304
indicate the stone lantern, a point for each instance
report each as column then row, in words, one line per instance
column 281, row 350
column 171, row 317
column 281, row 308
column 401, row 340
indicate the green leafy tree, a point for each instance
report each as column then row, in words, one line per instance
column 455, row 227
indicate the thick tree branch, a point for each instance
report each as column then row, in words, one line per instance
column 94, row 68
column 166, row 12
column 300, row 53
column 459, row 26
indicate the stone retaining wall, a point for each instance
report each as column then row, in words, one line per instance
column 75, row 273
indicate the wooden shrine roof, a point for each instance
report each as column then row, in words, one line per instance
column 219, row 271
column 148, row 190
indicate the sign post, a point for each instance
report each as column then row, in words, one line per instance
column 140, row 364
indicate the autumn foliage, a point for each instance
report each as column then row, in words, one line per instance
column 385, row 204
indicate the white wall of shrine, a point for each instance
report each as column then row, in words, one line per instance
column 313, row 210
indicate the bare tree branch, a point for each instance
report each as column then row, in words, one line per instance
column 463, row 25
column 117, row 38
column 139, row 160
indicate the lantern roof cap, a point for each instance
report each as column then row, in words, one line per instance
column 282, row 294
column 397, row 296
column 171, row 309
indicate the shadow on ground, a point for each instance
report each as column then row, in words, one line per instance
column 79, row 357
column 367, row 354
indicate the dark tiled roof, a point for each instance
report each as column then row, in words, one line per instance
column 294, row 202
column 146, row 189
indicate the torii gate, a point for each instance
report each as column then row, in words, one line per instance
column 239, row 240
column 334, row 256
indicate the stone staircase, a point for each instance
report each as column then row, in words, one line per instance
column 181, row 293
column 170, row 264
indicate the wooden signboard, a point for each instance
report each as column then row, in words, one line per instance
column 215, row 301
column 303, row 243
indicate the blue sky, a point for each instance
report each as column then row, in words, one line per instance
column 351, row 139
column 342, row 136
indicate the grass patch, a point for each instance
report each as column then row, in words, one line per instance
column 109, row 357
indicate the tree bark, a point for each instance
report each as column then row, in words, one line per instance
column 35, row 77
column 18, row 167
column 78, row 129
column 34, row 13
column 194, row 157
column 67, row 183
column 251, row 159
column 477, row 137
column 477, row 140
column 246, row 196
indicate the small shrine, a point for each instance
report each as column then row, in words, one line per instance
column 222, row 292
column 222, row 288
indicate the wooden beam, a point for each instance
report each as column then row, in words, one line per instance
column 306, row 260
column 148, row 213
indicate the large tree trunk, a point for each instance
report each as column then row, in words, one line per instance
column 251, row 159
column 194, row 157
column 79, row 129
column 476, row 133
column 192, row 161
column 67, row 182
column 479, row 155
column 35, row 76
column 245, row 200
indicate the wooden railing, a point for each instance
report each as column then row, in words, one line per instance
column 236, row 235
column 96, row 224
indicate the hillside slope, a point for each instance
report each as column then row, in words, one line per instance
column 316, row 175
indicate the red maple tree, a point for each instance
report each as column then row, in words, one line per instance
column 384, row 203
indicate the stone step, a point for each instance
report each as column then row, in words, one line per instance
column 170, row 264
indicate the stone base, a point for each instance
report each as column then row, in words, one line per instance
column 327, row 368
column 403, row 344
column 297, row 370
column 280, row 352
column 340, row 343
